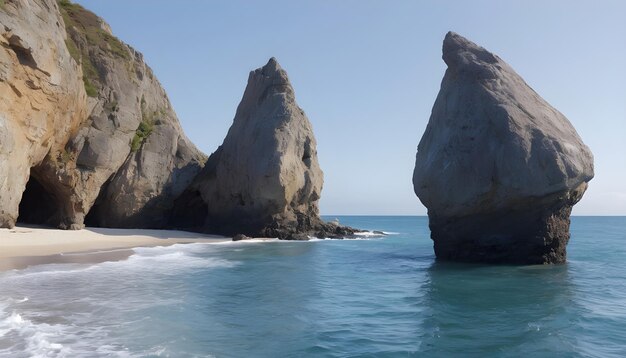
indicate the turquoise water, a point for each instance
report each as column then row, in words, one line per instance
column 375, row 298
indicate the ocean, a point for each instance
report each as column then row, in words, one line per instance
column 376, row 297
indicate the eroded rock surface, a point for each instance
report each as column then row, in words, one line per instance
column 131, row 153
column 42, row 101
column 264, row 180
column 498, row 168
column 87, row 134
column 103, row 130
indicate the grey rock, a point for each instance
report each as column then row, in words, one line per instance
column 498, row 168
column 117, row 158
column 298, row 237
column 264, row 180
column 241, row 237
column 86, row 128
column 133, row 158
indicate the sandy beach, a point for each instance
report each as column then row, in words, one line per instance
column 25, row 246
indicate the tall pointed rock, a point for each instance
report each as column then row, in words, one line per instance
column 498, row 168
column 264, row 180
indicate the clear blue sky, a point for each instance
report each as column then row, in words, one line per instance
column 367, row 74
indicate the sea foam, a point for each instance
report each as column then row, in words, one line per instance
column 71, row 310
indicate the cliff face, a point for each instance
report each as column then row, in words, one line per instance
column 264, row 180
column 498, row 168
column 42, row 103
column 108, row 143
column 131, row 153
column 87, row 134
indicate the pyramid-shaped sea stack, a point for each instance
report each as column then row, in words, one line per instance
column 264, row 180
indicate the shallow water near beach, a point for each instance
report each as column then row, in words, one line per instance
column 332, row 298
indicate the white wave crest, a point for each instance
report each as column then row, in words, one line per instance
column 161, row 259
column 36, row 340
column 247, row 241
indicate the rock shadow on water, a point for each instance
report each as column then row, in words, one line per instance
column 482, row 310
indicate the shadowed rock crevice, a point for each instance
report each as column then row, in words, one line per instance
column 94, row 216
column 24, row 55
column 498, row 168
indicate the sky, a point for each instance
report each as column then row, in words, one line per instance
column 367, row 74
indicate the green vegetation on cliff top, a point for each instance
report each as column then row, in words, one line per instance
column 84, row 26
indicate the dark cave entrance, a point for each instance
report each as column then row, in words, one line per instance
column 190, row 212
column 91, row 219
column 38, row 206
column 96, row 216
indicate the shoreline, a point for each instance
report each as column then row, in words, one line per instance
column 25, row 246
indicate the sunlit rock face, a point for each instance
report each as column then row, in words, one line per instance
column 83, row 121
column 498, row 168
column 42, row 101
column 265, row 179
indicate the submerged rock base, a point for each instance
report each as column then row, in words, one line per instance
column 302, row 228
column 535, row 232
column 309, row 227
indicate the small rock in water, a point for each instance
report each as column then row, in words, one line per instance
column 240, row 237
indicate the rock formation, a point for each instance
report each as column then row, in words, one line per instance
column 42, row 100
column 87, row 134
column 498, row 168
column 264, row 180
column 85, row 118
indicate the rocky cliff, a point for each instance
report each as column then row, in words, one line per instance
column 265, row 179
column 85, row 123
column 88, row 135
column 42, row 101
column 498, row 168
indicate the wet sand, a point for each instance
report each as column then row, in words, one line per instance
column 25, row 246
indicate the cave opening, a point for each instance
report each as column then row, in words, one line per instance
column 38, row 206
column 190, row 212
column 94, row 217
column 91, row 219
